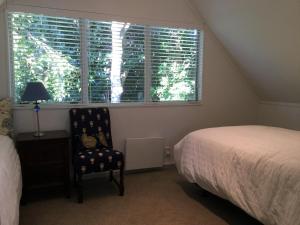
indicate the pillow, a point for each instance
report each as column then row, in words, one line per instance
column 88, row 142
column 96, row 140
column 102, row 139
column 5, row 117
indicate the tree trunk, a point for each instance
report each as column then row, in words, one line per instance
column 118, row 31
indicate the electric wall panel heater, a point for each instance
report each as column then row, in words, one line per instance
column 143, row 153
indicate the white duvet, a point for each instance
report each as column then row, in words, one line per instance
column 255, row 167
column 10, row 182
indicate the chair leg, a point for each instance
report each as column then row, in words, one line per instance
column 111, row 175
column 75, row 178
column 80, row 188
column 120, row 182
column 121, row 187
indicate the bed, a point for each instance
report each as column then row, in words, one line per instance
column 257, row 168
column 10, row 182
column 10, row 170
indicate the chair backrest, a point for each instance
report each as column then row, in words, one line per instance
column 92, row 122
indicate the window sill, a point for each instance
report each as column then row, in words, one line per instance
column 110, row 105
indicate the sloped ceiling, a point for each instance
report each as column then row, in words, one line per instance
column 264, row 38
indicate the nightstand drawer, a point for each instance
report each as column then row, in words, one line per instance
column 45, row 174
column 43, row 151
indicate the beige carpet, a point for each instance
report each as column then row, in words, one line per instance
column 151, row 198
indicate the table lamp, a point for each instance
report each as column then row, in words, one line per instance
column 34, row 92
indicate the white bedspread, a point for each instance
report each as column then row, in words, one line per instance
column 10, row 182
column 255, row 167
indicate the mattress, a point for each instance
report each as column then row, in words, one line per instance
column 10, row 182
column 255, row 167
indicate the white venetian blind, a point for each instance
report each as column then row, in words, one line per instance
column 47, row 49
column 116, row 62
column 81, row 60
column 123, row 57
column 174, row 64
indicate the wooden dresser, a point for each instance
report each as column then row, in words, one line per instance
column 45, row 162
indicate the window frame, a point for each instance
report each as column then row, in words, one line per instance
column 84, row 74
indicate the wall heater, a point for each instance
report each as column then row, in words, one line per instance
column 143, row 153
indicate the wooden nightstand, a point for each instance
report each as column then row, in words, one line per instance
column 45, row 161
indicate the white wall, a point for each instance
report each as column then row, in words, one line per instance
column 4, row 88
column 264, row 38
column 167, row 12
column 285, row 115
column 227, row 97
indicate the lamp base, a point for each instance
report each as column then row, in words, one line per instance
column 38, row 134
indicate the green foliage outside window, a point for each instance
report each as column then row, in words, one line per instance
column 99, row 62
column 51, row 57
column 49, row 49
column 174, row 62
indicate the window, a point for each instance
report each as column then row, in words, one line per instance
column 46, row 49
column 86, row 61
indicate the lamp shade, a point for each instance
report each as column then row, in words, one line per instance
column 35, row 91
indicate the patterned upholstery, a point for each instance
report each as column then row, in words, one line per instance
column 6, row 117
column 92, row 141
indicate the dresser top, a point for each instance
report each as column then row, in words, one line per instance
column 55, row 134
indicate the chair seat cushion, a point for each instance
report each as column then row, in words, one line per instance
column 97, row 160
